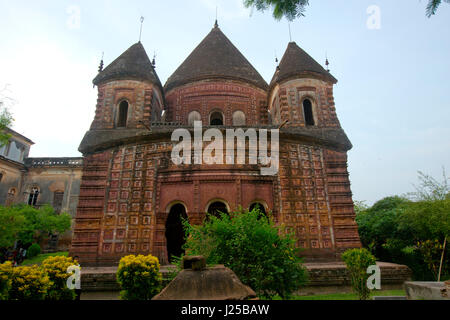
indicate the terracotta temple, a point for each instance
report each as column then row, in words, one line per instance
column 132, row 195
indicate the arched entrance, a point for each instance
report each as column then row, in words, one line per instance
column 260, row 206
column 216, row 207
column 174, row 231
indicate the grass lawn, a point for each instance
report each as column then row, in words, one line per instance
column 41, row 257
column 350, row 296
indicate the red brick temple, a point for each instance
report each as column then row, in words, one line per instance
column 132, row 196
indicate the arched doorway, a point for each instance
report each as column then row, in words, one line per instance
column 260, row 206
column 216, row 207
column 216, row 119
column 174, row 231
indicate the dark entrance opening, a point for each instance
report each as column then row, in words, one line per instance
column 259, row 206
column 216, row 208
column 174, row 231
column 216, row 119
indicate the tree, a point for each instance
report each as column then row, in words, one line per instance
column 5, row 117
column 40, row 222
column 377, row 225
column 28, row 224
column 11, row 223
column 357, row 262
column 262, row 255
column 292, row 9
column 433, row 5
column 432, row 195
column 429, row 189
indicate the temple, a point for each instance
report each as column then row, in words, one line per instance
column 132, row 196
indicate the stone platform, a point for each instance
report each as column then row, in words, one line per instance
column 427, row 290
column 329, row 277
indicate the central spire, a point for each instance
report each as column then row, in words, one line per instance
column 215, row 58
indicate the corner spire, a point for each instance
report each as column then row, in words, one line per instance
column 216, row 24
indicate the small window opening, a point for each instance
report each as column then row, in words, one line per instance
column 123, row 114
column 216, row 119
column 32, row 198
column 308, row 111
column 58, row 197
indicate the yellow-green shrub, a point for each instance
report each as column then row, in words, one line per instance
column 29, row 283
column 139, row 277
column 56, row 269
column 6, row 270
column 357, row 261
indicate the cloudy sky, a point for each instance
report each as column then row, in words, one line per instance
column 392, row 63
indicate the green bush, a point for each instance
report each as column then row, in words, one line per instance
column 139, row 277
column 29, row 283
column 6, row 270
column 394, row 227
column 33, row 250
column 357, row 261
column 56, row 269
column 263, row 256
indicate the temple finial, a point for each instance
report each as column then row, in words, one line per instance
column 100, row 67
column 140, row 33
column 154, row 60
column 216, row 24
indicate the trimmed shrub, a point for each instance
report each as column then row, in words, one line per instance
column 139, row 277
column 56, row 269
column 29, row 283
column 357, row 261
column 33, row 250
column 262, row 255
column 6, row 270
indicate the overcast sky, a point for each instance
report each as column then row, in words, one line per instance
column 392, row 98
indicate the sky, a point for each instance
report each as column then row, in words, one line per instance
column 392, row 63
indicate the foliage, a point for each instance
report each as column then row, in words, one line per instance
column 29, row 283
column 431, row 252
column 5, row 117
column 429, row 189
column 396, row 229
column 33, row 250
column 56, row 269
column 139, row 277
column 40, row 222
column 173, row 272
column 357, row 261
column 6, row 270
column 433, row 5
column 290, row 9
column 378, row 224
column 41, row 257
column 262, row 255
column 11, row 222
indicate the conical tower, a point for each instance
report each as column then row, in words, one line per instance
column 216, row 71
column 301, row 91
column 130, row 94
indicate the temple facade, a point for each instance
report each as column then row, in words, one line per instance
column 132, row 195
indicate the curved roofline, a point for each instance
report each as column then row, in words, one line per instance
column 300, row 75
column 215, row 57
column 215, row 78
